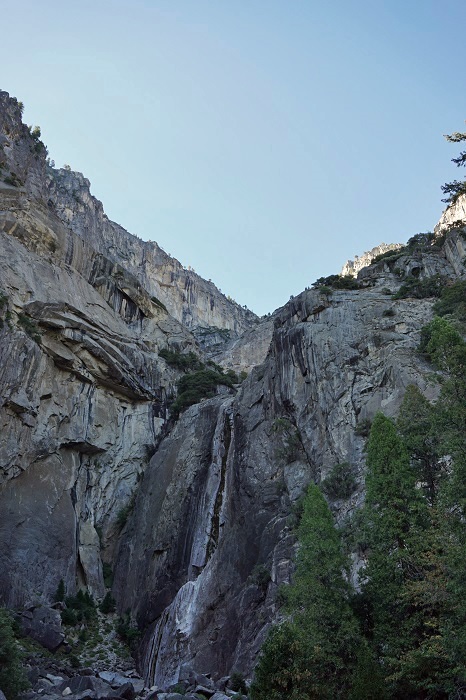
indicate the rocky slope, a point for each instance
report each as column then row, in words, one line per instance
column 192, row 515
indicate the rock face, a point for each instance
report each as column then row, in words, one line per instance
column 454, row 214
column 210, row 534
column 193, row 515
column 352, row 267
column 190, row 299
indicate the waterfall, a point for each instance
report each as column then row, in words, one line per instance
column 169, row 643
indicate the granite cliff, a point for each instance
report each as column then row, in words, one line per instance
column 87, row 433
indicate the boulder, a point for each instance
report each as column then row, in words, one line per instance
column 43, row 625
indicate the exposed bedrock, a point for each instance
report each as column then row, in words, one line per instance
column 83, row 401
column 209, row 540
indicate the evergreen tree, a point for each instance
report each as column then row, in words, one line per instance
column 418, row 426
column 12, row 677
column 456, row 188
column 312, row 654
column 394, row 512
column 415, row 569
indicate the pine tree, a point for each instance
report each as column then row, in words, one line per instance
column 393, row 513
column 415, row 581
column 456, row 188
column 418, row 426
column 12, row 677
column 312, row 654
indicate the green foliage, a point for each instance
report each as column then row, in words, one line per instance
column 454, row 189
column 452, row 301
column 442, row 345
column 418, row 425
column 390, row 256
column 107, row 572
column 363, row 428
column 260, row 576
column 127, row 631
column 388, row 312
column 325, row 290
column 12, row 677
column 224, row 333
column 341, row 482
column 179, row 688
column 38, row 145
column 30, row 327
column 60, row 592
column 412, row 609
column 79, row 608
column 337, row 282
column 237, row 682
column 412, row 605
column 311, row 655
column 420, row 289
column 367, row 681
column 290, row 447
column 182, row 361
column 196, row 386
column 108, row 604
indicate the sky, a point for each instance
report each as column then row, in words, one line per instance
column 262, row 142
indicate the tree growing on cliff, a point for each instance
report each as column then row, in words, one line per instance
column 454, row 189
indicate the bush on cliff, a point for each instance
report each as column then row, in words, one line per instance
column 196, row 386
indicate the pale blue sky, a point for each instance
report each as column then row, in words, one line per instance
column 262, row 142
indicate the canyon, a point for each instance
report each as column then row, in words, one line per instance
column 191, row 513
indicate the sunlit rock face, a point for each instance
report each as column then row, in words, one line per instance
column 353, row 267
column 194, row 515
column 190, row 299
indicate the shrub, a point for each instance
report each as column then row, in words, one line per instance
column 79, row 608
column 291, row 446
column 452, row 301
column 363, row 428
column 337, row 282
column 388, row 312
column 390, row 256
column 341, row 481
column 179, row 688
column 182, row 361
column 127, row 631
column 325, row 290
column 108, row 604
column 260, row 576
column 237, row 682
column 29, row 327
column 69, row 617
column 199, row 385
column 420, row 289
